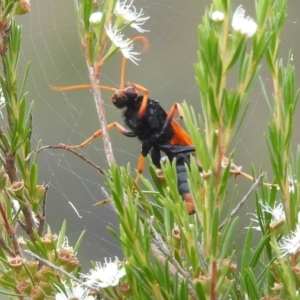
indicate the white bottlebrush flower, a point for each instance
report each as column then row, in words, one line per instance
column 217, row 16
column 291, row 245
column 242, row 24
column 74, row 293
column 277, row 212
column 125, row 45
column 126, row 13
column 104, row 276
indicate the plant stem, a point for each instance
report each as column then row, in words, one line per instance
column 101, row 114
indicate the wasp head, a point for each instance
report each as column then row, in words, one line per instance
column 123, row 97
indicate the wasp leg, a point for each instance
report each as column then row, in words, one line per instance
column 147, row 147
column 140, row 167
column 175, row 108
column 98, row 134
column 189, row 203
column 180, row 136
column 144, row 105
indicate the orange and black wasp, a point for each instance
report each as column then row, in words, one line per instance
column 155, row 128
column 151, row 124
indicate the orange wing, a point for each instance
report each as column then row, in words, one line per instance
column 180, row 136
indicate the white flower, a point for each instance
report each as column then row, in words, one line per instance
column 74, row 293
column 278, row 215
column 65, row 245
column 102, row 277
column 217, row 16
column 242, row 24
column 126, row 15
column 125, row 45
column 16, row 207
column 95, row 18
column 291, row 245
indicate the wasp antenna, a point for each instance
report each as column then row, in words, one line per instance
column 80, row 87
column 108, row 88
column 70, row 88
column 123, row 67
column 123, row 63
column 145, row 42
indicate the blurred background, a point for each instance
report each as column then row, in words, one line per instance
column 51, row 45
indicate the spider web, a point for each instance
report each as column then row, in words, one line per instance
column 51, row 43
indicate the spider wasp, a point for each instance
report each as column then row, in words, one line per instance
column 155, row 128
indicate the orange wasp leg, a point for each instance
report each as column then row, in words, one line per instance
column 183, row 137
column 140, row 167
column 98, row 134
column 144, row 104
column 175, row 108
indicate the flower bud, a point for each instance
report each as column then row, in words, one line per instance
column 16, row 263
column 160, row 175
column 176, row 238
column 226, row 266
column 44, row 274
column 217, row 16
column 37, row 293
column 17, row 188
column 31, row 266
column 67, row 259
column 49, row 241
column 24, row 285
column 39, row 193
column 126, row 289
column 23, row 7
column 95, row 20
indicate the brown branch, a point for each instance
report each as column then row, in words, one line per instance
column 6, row 248
column 101, row 114
column 241, row 203
column 29, row 222
column 42, row 217
column 10, row 167
column 70, row 150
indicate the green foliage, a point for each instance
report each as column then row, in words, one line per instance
column 22, row 198
column 199, row 252
column 168, row 254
